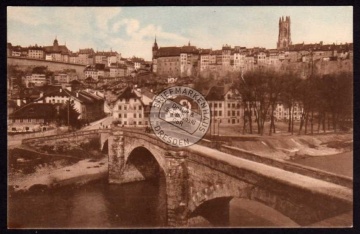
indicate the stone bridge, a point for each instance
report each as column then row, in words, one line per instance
column 201, row 181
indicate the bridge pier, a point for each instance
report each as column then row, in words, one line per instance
column 176, row 189
column 116, row 157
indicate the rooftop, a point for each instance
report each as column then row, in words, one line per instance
column 35, row 111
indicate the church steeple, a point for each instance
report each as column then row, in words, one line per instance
column 155, row 48
column 56, row 43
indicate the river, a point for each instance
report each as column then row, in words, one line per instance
column 95, row 205
column 133, row 205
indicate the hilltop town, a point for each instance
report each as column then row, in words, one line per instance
column 42, row 80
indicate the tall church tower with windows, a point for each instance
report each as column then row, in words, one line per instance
column 284, row 39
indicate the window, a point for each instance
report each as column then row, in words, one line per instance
column 215, row 105
column 215, row 113
column 119, row 107
column 125, row 123
column 220, row 113
column 134, row 115
column 233, row 105
column 220, row 105
column 140, row 116
column 238, row 113
column 140, row 107
column 228, row 105
column 139, row 122
column 125, row 115
column 233, row 113
column 125, row 107
column 229, row 113
column 119, row 116
column 210, row 105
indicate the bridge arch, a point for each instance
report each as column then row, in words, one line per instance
column 141, row 164
column 216, row 199
column 105, row 147
column 131, row 146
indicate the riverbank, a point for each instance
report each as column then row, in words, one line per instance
column 289, row 147
column 47, row 177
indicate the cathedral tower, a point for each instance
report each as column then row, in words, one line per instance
column 284, row 39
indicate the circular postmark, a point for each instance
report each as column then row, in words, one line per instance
column 180, row 116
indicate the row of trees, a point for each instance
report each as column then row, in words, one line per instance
column 325, row 99
column 68, row 115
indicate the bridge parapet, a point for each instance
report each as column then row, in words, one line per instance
column 288, row 166
column 304, row 199
column 68, row 139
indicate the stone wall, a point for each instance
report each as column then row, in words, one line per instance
column 52, row 65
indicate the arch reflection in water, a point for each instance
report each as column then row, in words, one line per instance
column 237, row 212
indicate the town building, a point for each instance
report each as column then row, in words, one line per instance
column 282, row 112
column 225, row 105
column 64, row 77
column 35, row 79
column 23, row 96
column 86, row 56
column 32, row 117
column 36, row 52
column 96, row 71
column 175, row 61
column 117, row 70
column 56, row 52
column 89, row 106
column 129, row 108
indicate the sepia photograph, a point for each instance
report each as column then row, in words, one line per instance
column 179, row 117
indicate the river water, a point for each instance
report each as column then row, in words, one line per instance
column 133, row 205
column 95, row 205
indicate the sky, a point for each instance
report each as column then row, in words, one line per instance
column 131, row 30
